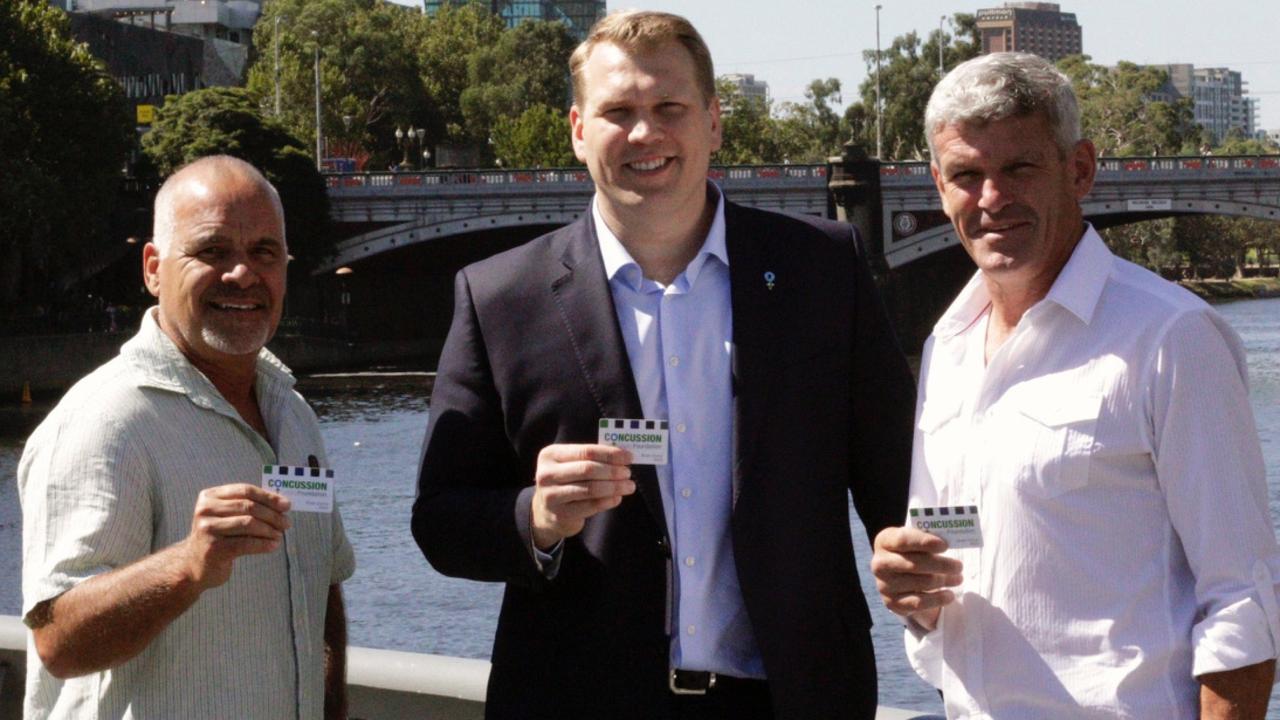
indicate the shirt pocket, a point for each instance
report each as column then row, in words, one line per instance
column 1059, row 428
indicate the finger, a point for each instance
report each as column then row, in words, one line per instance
column 908, row 540
column 605, row 454
column 554, row 495
column 252, row 492
column 888, row 564
column 579, row 471
column 238, row 546
column 244, row 506
column 900, row 584
column 575, row 512
column 908, row 603
column 237, row 526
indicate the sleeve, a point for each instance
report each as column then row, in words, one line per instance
column 85, row 490
column 1210, row 469
column 923, row 647
column 471, row 517
column 883, row 398
column 344, row 557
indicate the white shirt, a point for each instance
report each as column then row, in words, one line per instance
column 679, row 340
column 112, row 475
column 1111, row 451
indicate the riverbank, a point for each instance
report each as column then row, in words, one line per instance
column 1242, row 289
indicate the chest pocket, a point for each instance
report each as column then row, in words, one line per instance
column 1058, row 427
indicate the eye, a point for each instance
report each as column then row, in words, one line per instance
column 211, row 253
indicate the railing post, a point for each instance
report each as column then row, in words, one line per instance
column 853, row 182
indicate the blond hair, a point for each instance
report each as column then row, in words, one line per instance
column 643, row 30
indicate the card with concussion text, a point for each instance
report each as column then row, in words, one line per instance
column 309, row 489
column 958, row 524
column 647, row 440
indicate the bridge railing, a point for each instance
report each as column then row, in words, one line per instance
column 362, row 183
column 1114, row 168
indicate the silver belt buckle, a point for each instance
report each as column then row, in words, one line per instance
column 671, row 682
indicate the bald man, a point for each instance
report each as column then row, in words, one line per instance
column 159, row 578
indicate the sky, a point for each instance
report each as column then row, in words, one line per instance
column 788, row 43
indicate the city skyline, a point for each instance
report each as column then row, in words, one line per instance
column 835, row 34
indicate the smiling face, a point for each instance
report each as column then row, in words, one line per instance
column 221, row 276
column 1013, row 197
column 646, row 132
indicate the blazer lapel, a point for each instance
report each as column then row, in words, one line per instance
column 756, row 327
column 585, row 304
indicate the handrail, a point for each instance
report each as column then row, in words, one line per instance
column 380, row 683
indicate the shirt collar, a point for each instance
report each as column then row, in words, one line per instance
column 159, row 363
column 1077, row 288
column 618, row 263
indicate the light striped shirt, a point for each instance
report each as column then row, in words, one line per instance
column 112, row 475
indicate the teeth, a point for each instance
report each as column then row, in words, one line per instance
column 232, row 306
column 649, row 164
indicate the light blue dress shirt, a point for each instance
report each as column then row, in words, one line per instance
column 679, row 338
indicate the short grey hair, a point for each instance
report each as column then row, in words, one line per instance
column 993, row 87
column 164, row 223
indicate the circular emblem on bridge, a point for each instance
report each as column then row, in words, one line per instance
column 905, row 223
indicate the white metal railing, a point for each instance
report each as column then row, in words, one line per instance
column 338, row 182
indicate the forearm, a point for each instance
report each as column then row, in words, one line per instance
column 107, row 620
column 335, row 656
column 1239, row 694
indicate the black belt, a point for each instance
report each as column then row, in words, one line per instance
column 699, row 682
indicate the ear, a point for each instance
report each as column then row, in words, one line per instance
column 151, row 268
column 717, row 129
column 575, row 128
column 1084, row 167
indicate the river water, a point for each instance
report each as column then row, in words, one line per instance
column 373, row 427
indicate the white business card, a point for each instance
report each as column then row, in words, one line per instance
column 957, row 524
column 647, row 440
column 309, row 489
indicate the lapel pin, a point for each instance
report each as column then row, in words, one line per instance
column 769, row 277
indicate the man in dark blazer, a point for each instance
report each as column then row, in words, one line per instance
column 722, row 583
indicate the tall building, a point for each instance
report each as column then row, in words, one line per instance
column 578, row 15
column 748, row 86
column 1220, row 101
column 228, row 20
column 1039, row 28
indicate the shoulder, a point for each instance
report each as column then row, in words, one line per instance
column 525, row 263
column 795, row 224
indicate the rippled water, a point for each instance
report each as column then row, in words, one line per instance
column 373, row 428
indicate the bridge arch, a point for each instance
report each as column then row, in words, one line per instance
column 412, row 233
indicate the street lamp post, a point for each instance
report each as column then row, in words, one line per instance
column 319, row 133
column 941, row 69
column 878, row 105
column 422, row 134
column 275, row 40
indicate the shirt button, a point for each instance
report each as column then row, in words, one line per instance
column 691, row 629
column 689, row 561
column 686, row 492
column 680, row 427
column 675, row 360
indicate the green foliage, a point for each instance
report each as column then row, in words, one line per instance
column 65, row 132
column 1118, row 114
column 811, row 132
column 525, row 68
column 908, row 72
column 227, row 121
column 538, row 137
column 443, row 44
column 370, row 76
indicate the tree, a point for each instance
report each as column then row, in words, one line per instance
column 227, row 121
column 538, row 137
column 525, row 68
column 371, row 77
column 751, row 134
column 443, row 45
column 908, row 72
column 65, row 132
column 812, row 131
column 1118, row 112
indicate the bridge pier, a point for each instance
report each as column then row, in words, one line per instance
column 915, row 293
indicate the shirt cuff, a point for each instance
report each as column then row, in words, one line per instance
column 548, row 562
column 924, row 649
column 1242, row 633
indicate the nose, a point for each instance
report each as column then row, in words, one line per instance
column 240, row 274
column 995, row 195
column 645, row 130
